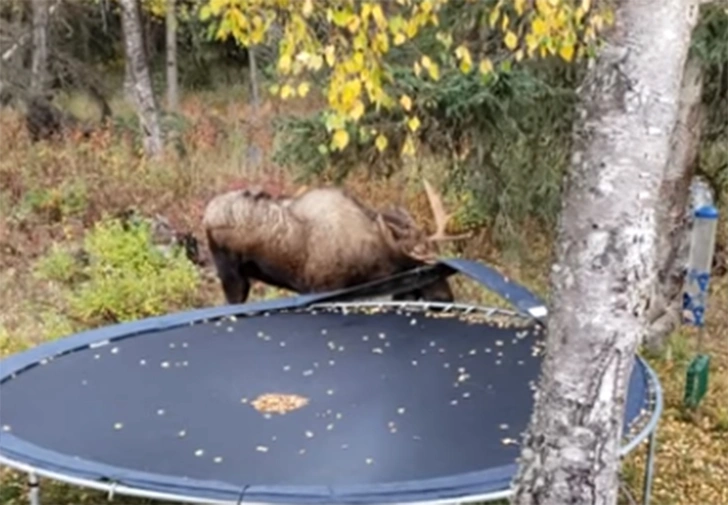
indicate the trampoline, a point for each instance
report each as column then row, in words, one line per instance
column 377, row 401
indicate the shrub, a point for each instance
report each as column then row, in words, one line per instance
column 121, row 275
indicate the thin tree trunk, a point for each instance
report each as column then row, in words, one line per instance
column 137, row 65
column 672, row 218
column 254, row 77
column 605, row 256
column 128, row 83
column 39, row 65
column 172, row 80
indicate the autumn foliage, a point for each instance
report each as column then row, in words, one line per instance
column 346, row 47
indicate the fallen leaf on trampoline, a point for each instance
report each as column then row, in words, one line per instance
column 503, row 426
column 160, row 412
column 181, row 433
column 261, row 448
column 369, row 461
column 142, row 362
column 509, row 441
column 217, row 459
column 199, row 452
column 6, row 427
column 309, row 434
column 118, row 426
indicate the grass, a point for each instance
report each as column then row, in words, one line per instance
column 52, row 193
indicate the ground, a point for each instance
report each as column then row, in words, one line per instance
column 53, row 193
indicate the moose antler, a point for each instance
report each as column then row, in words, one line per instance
column 441, row 217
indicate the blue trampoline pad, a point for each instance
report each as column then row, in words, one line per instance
column 394, row 404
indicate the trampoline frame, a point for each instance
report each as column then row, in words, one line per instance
column 528, row 310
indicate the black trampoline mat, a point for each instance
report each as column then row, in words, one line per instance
column 394, row 397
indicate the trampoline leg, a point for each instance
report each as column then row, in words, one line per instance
column 34, row 488
column 649, row 468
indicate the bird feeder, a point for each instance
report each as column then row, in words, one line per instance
column 695, row 295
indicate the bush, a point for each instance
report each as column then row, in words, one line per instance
column 121, row 275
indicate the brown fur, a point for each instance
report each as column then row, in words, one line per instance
column 323, row 239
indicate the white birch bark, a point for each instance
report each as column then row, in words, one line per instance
column 605, row 261
column 137, row 65
column 39, row 62
column 172, row 79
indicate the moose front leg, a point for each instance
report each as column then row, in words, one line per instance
column 235, row 285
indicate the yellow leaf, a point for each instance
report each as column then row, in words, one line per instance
column 408, row 148
column 381, row 142
column 307, row 7
column 357, row 110
column 399, row 39
column 466, row 61
column 413, row 123
column 340, row 139
column 330, row 55
column 486, row 66
column 379, row 17
column 493, row 16
column 417, row 69
column 406, row 102
column 303, row 88
column 510, row 40
column 426, row 61
column 519, row 4
column 286, row 91
column 538, row 27
column 284, row 63
column 567, row 51
column 316, row 62
column 434, row 71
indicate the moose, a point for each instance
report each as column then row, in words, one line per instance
column 318, row 240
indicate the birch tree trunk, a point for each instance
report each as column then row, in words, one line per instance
column 39, row 63
column 172, row 80
column 138, row 68
column 605, row 256
column 673, row 218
